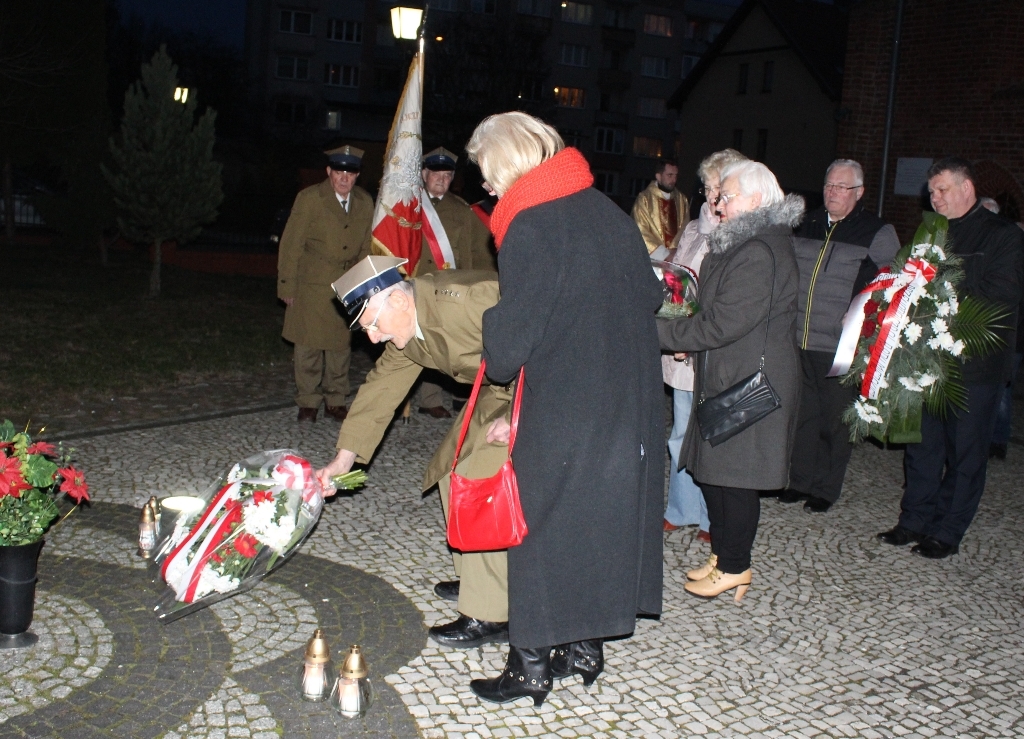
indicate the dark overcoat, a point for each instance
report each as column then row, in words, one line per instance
column 736, row 295
column 578, row 298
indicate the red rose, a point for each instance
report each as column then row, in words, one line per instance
column 868, row 329
column 74, row 484
column 871, row 307
column 246, row 545
column 11, row 480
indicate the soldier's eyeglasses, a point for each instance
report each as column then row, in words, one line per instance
column 373, row 326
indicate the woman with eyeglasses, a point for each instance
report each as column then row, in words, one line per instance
column 747, row 296
column 685, row 501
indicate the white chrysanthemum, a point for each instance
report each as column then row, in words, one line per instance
column 957, row 348
column 259, row 517
column 933, row 343
column 867, row 412
column 910, row 384
column 212, row 581
column 236, row 474
column 942, row 309
column 890, row 292
column 945, row 341
column 925, row 379
column 954, row 306
column 920, row 250
column 277, row 535
column 939, row 327
column 913, row 332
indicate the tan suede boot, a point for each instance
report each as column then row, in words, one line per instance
column 717, row 582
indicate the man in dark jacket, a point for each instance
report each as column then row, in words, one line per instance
column 946, row 470
column 839, row 248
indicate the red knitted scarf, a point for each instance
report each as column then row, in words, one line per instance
column 566, row 173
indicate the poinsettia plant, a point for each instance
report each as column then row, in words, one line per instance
column 906, row 335
column 33, row 476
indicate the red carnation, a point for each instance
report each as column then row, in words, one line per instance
column 246, row 545
column 868, row 329
column 11, row 480
column 262, row 495
column 74, row 484
column 871, row 307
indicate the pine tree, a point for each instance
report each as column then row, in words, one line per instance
column 165, row 182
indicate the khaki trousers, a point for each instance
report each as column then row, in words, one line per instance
column 321, row 375
column 431, row 395
column 483, row 591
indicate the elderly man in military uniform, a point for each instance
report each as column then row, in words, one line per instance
column 328, row 232
column 431, row 322
column 661, row 211
column 461, row 242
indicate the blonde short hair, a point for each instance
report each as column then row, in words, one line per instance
column 508, row 145
column 713, row 165
column 755, row 177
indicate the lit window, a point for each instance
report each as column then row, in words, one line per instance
column 347, row 31
column 535, row 7
column 609, row 140
column 657, row 25
column 294, row 21
column 574, row 55
column 581, row 13
column 646, row 147
column 333, row 121
column 651, row 108
column 569, row 97
column 341, row 75
column 654, row 66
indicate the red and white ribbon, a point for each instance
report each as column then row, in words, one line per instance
column 916, row 273
column 437, row 237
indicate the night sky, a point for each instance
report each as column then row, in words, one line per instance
column 224, row 20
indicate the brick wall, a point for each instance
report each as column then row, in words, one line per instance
column 960, row 91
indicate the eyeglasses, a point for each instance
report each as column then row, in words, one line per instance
column 706, row 191
column 373, row 326
column 840, row 188
column 724, row 198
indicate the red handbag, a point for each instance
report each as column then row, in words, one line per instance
column 485, row 515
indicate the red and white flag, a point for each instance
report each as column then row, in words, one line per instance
column 404, row 215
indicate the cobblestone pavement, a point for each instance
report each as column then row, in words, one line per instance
column 840, row 635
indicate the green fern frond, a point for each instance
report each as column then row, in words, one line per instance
column 949, row 391
column 976, row 323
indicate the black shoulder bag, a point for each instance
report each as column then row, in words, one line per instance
column 748, row 401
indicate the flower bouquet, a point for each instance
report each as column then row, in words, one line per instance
column 905, row 335
column 254, row 519
column 32, row 475
column 679, row 290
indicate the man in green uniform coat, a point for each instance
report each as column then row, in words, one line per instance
column 328, row 232
column 433, row 322
column 466, row 236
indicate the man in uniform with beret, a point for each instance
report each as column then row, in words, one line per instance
column 434, row 322
column 462, row 242
column 327, row 232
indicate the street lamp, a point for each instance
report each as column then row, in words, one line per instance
column 405, row 22
column 181, row 94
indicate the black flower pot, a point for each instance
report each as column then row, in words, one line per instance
column 18, row 594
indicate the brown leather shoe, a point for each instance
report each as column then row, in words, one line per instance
column 438, row 411
column 666, row 526
column 307, row 414
column 704, row 536
column 337, row 412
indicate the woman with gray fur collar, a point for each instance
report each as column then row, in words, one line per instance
column 747, row 296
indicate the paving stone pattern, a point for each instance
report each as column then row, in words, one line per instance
column 840, row 635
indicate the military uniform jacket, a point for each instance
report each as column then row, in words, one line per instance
column 647, row 214
column 469, row 237
column 449, row 310
column 320, row 243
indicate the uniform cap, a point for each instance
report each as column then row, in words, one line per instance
column 439, row 160
column 366, row 279
column 346, row 158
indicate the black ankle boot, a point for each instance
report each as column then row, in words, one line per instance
column 527, row 673
column 583, row 658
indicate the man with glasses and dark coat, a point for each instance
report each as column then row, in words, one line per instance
column 327, row 232
column 839, row 249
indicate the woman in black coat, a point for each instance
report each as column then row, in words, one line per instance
column 744, row 313
column 578, row 298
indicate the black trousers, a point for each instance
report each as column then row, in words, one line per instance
column 822, row 448
column 733, row 514
column 946, row 470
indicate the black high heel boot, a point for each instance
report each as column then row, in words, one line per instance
column 527, row 673
column 583, row 658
